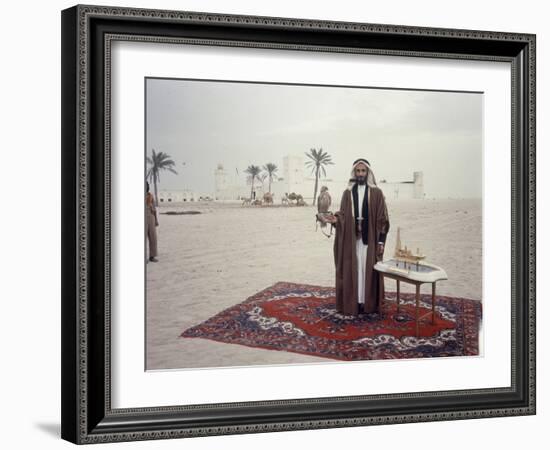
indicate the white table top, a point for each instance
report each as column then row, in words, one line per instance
column 423, row 272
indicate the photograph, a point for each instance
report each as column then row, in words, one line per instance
column 283, row 222
column 310, row 224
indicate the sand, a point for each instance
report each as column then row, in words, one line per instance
column 216, row 259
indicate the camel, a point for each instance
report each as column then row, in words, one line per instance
column 285, row 200
column 290, row 198
column 268, row 198
column 300, row 200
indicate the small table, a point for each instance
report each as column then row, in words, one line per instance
column 413, row 273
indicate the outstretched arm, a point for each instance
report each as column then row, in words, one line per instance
column 338, row 216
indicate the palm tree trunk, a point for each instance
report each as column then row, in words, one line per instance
column 252, row 188
column 316, row 185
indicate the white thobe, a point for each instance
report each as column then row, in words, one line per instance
column 361, row 249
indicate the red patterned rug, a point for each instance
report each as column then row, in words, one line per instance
column 302, row 318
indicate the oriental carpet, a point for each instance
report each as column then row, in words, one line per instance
column 302, row 318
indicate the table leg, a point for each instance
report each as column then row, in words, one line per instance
column 417, row 306
column 398, row 284
column 433, row 303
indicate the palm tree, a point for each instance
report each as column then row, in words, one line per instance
column 253, row 171
column 158, row 162
column 262, row 177
column 270, row 168
column 318, row 159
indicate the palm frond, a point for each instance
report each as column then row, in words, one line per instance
column 253, row 170
column 270, row 168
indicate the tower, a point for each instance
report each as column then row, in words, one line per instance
column 293, row 170
column 418, row 190
column 220, row 183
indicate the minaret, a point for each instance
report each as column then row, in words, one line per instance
column 220, row 180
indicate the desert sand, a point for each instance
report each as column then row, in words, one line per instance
column 213, row 260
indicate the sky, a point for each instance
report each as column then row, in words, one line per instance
column 203, row 123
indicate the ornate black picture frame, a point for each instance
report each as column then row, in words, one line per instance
column 87, row 414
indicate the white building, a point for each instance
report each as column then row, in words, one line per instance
column 401, row 190
column 237, row 187
column 228, row 186
column 232, row 186
column 293, row 174
column 175, row 196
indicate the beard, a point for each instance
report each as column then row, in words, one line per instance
column 361, row 180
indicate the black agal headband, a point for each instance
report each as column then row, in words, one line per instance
column 361, row 160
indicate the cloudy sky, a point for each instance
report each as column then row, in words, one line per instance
column 201, row 123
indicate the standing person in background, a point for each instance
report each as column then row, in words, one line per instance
column 151, row 224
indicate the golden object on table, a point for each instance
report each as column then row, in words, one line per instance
column 405, row 254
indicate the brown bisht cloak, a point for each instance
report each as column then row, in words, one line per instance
column 345, row 258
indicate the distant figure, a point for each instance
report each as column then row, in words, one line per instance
column 361, row 228
column 151, row 224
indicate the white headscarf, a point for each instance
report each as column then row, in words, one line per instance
column 371, row 181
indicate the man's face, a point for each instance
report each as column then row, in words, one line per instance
column 361, row 173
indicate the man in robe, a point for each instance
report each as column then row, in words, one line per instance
column 362, row 224
column 150, row 224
